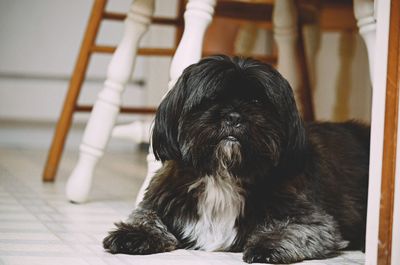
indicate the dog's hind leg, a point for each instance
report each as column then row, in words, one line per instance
column 143, row 233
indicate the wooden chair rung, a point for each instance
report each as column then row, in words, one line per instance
column 167, row 21
column 141, row 51
column 154, row 20
column 137, row 110
column 103, row 49
column 114, row 16
column 272, row 59
column 170, row 52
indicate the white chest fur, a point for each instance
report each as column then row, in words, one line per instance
column 219, row 206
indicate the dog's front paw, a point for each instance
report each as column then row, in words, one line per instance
column 139, row 239
column 261, row 254
column 271, row 252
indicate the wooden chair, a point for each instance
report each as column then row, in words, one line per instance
column 281, row 15
column 88, row 47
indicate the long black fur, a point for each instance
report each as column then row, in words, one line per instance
column 304, row 185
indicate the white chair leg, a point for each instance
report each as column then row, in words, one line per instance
column 106, row 108
column 366, row 22
column 198, row 16
column 137, row 131
column 284, row 19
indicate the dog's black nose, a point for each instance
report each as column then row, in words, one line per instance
column 234, row 119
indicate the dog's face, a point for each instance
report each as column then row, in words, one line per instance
column 230, row 112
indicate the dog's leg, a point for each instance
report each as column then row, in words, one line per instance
column 288, row 242
column 143, row 233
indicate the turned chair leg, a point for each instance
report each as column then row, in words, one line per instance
column 198, row 16
column 312, row 41
column 284, row 19
column 106, row 108
column 64, row 123
column 366, row 22
column 306, row 102
column 291, row 57
column 311, row 37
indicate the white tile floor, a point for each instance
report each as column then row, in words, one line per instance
column 38, row 225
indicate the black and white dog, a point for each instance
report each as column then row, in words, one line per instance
column 242, row 172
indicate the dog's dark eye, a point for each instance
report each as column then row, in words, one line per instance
column 256, row 101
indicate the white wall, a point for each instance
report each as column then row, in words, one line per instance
column 39, row 42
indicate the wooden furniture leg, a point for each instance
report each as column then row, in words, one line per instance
column 311, row 35
column 198, row 16
column 366, row 22
column 284, row 19
column 312, row 40
column 390, row 168
column 305, row 103
column 291, row 56
column 64, row 123
column 106, row 108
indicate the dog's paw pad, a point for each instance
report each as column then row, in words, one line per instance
column 129, row 239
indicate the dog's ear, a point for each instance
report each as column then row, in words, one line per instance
column 280, row 95
column 293, row 157
column 165, row 131
column 196, row 82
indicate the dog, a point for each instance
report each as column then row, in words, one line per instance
column 243, row 173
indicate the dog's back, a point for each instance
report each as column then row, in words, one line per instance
column 340, row 154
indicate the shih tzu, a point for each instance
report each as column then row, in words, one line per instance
column 242, row 172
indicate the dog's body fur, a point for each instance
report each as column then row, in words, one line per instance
column 242, row 173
